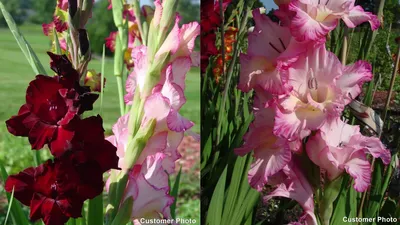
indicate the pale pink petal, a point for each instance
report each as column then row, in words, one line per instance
column 357, row 16
column 296, row 124
column 354, row 76
column 172, row 42
column 158, row 12
column 258, row 71
column 372, row 145
column 195, row 58
column 154, row 172
column 268, row 39
column 157, row 107
column 173, row 91
column 318, row 68
column 180, row 67
column 130, row 87
column 187, row 34
column 268, row 162
column 298, row 188
column 311, row 22
column 359, row 168
column 178, row 123
column 156, row 144
column 149, row 200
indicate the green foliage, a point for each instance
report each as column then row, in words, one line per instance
column 43, row 11
column 16, row 11
column 100, row 26
column 227, row 197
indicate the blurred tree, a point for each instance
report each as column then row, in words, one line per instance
column 189, row 10
column 43, row 11
column 14, row 8
column 100, row 26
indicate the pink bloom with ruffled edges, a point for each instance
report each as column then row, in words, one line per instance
column 338, row 147
column 293, row 184
column 314, row 19
column 271, row 50
column 148, row 185
column 322, row 86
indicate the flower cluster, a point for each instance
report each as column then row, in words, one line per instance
column 148, row 174
column 59, row 25
column 52, row 116
column 301, row 90
column 210, row 22
column 229, row 40
column 133, row 31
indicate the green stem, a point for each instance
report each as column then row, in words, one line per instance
column 230, row 73
column 95, row 210
column 120, row 95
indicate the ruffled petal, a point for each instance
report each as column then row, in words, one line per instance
column 354, row 76
column 357, row 16
column 359, row 168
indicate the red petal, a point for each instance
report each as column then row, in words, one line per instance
column 41, row 134
column 15, row 124
column 23, row 185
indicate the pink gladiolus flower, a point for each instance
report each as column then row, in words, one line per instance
column 164, row 141
column 148, row 185
column 321, row 89
column 314, row 19
column 180, row 42
column 296, row 187
column 271, row 152
column 271, row 50
column 340, row 147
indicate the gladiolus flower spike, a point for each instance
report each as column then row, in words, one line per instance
column 301, row 90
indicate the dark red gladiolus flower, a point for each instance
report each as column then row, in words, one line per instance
column 90, row 141
column 51, row 104
column 55, row 191
column 210, row 22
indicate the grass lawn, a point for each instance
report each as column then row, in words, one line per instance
column 15, row 74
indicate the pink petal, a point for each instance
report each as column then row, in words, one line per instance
column 149, row 201
column 357, row 16
column 359, row 168
column 303, row 25
column 268, row 162
column 195, row 58
column 354, row 76
column 173, row 91
column 178, row 123
column 299, row 123
column 296, row 187
column 258, row 71
column 157, row 107
column 180, row 67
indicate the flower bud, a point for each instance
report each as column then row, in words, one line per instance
column 118, row 8
column 138, row 143
column 83, row 42
column 168, row 14
column 93, row 80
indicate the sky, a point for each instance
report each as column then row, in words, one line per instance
column 269, row 4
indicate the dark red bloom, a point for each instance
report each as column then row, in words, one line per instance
column 51, row 104
column 210, row 22
column 55, row 191
column 90, row 141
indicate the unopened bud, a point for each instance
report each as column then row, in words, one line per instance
column 93, row 80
